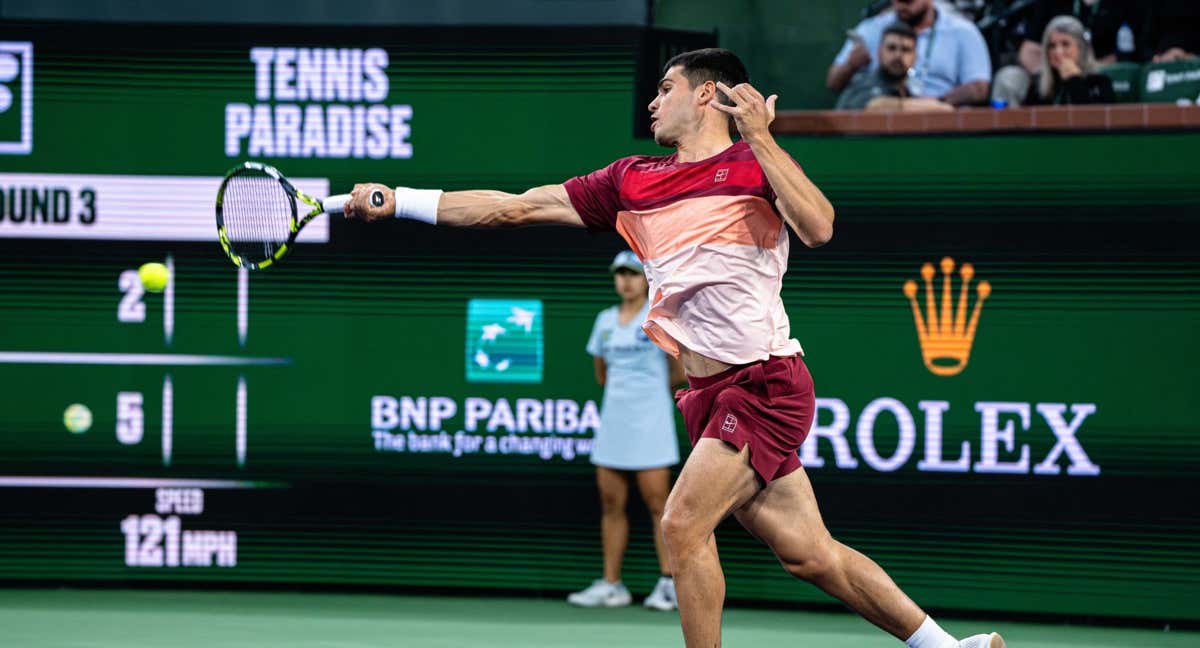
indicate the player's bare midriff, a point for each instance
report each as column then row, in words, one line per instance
column 699, row 366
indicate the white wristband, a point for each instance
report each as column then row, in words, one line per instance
column 418, row 204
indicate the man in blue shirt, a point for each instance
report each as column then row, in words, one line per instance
column 952, row 58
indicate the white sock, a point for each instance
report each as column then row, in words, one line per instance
column 930, row 635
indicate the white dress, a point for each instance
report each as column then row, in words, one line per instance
column 637, row 417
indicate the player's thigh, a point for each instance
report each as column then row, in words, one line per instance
column 716, row 480
column 614, row 488
column 654, row 485
column 785, row 516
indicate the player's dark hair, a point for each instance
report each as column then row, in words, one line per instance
column 711, row 64
column 899, row 28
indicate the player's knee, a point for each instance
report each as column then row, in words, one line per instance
column 816, row 564
column 680, row 530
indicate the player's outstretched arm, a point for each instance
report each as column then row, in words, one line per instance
column 546, row 205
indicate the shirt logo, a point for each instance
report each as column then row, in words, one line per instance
column 730, row 424
column 721, row 175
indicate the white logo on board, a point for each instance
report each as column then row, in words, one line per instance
column 1156, row 80
column 319, row 103
column 16, row 97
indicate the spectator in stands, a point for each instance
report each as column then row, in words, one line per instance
column 952, row 62
column 1111, row 26
column 1173, row 32
column 886, row 88
column 970, row 9
column 1014, row 39
column 1068, row 74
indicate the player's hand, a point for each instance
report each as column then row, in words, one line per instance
column 751, row 113
column 360, row 207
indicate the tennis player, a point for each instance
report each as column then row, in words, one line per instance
column 636, row 436
column 708, row 222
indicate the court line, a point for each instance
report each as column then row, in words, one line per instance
column 168, row 404
column 17, row 481
column 159, row 359
column 239, row 413
column 169, row 301
column 243, row 304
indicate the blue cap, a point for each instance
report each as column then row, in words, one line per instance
column 627, row 259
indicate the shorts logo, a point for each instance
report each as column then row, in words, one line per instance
column 722, row 174
column 16, row 97
column 730, row 424
column 946, row 337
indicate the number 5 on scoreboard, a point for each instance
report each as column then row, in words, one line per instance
column 130, row 418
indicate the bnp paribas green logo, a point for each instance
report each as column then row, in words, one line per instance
column 504, row 340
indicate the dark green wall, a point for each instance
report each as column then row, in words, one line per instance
column 1086, row 240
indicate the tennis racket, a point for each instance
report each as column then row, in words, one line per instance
column 257, row 214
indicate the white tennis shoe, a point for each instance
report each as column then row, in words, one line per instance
column 992, row 640
column 602, row 593
column 663, row 596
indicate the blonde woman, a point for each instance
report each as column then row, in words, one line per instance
column 636, row 438
column 1068, row 73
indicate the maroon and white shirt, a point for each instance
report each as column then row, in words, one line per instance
column 713, row 244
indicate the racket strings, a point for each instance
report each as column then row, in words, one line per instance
column 257, row 212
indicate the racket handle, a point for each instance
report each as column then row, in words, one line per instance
column 336, row 204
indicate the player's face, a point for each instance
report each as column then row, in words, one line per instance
column 897, row 54
column 911, row 11
column 630, row 284
column 676, row 107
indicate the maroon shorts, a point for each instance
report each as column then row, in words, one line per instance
column 766, row 405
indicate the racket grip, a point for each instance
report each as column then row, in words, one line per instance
column 335, row 204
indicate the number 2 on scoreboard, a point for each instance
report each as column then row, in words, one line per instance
column 131, row 308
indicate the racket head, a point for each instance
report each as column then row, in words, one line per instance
column 256, row 215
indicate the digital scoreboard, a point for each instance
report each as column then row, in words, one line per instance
column 1004, row 347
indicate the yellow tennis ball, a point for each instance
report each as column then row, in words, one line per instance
column 154, row 276
column 77, row 418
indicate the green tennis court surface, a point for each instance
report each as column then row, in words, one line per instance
column 180, row 619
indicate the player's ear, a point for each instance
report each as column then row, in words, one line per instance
column 706, row 92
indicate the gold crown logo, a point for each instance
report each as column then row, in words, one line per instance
column 946, row 341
